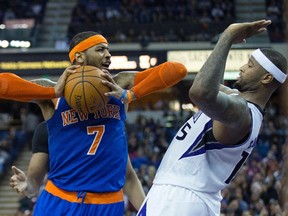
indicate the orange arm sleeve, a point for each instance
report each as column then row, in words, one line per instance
column 157, row 78
column 13, row 87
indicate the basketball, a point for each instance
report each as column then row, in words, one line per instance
column 84, row 90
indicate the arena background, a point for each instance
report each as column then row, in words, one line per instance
column 34, row 38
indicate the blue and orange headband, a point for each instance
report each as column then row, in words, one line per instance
column 85, row 44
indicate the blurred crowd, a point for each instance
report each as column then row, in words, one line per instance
column 275, row 12
column 145, row 21
column 153, row 20
column 22, row 9
column 254, row 191
column 17, row 124
column 165, row 21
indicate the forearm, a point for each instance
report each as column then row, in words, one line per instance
column 212, row 72
column 37, row 171
column 125, row 79
column 32, row 189
column 146, row 82
column 13, row 87
column 158, row 78
column 133, row 189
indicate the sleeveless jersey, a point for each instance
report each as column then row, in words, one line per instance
column 88, row 152
column 196, row 161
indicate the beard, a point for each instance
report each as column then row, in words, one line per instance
column 237, row 85
column 92, row 62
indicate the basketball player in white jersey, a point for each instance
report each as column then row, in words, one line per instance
column 212, row 145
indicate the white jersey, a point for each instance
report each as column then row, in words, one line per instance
column 196, row 161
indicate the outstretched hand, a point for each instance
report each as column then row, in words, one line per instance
column 241, row 31
column 18, row 181
column 59, row 87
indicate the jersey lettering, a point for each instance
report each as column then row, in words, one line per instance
column 238, row 166
column 71, row 116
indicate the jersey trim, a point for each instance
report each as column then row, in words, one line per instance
column 85, row 197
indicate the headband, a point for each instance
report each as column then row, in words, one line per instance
column 269, row 66
column 85, row 44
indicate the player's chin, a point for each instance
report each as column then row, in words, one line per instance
column 105, row 66
column 237, row 85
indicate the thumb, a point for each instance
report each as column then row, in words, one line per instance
column 16, row 171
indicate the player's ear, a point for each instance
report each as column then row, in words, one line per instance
column 268, row 78
column 80, row 57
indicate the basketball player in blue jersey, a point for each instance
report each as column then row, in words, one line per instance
column 212, row 145
column 39, row 166
column 88, row 152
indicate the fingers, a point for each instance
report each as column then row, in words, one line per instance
column 14, row 183
column 16, row 171
column 15, row 187
column 109, row 82
column 261, row 25
column 19, row 175
column 72, row 69
column 59, row 87
column 106, row 72
column 241, row 31
column 108, row 77
column 116, row 90
column 18, row 181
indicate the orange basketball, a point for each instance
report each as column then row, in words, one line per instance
column 84, row 90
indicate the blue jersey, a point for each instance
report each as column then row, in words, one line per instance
column 88, row 152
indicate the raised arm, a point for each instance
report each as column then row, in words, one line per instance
column 205, row 91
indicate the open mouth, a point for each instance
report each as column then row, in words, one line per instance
column 106, row 65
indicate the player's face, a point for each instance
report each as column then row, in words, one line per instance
column 98, row 56
column 250, row 76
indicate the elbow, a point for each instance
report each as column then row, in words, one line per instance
column 194, row 94
column 199, row 95
column 172, row 73
column 178, row 68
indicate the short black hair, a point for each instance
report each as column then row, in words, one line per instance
column 80, row 37
column 276, row 58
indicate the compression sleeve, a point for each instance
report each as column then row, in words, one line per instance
column 13, row 87
column 40, row 139
column 157, row 78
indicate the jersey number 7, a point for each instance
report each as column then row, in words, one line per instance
column 98, row 131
